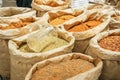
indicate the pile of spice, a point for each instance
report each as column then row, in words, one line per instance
column 83, row 26
column 62, row 70
column 61, row 19
column 18, row 24
column 52, row 3
column 111, row 43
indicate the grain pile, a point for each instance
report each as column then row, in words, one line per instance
column 62, row 70
column 83, row 26
column 18, row 24
column 111, row 43
column 61, row 19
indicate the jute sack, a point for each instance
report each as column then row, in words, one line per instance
column 51, row 15
column 6, row 35
column 43, row 8
column 82, row 38
column 115, row 20
column 92, row 74
column 111, row 59
column 6, row 12
column 21, row 62
column 115, row 3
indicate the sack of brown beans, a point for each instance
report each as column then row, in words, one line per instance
column 11, row 27
column 86, row 26
column 72, row 66
column 106, row 46
column 59, row 17
column 115, row 20
column 6, row 12
column 37, row 46
column 43, row 6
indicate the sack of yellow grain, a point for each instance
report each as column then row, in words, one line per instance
column 12, row 28
column 72, row 66
column 115, row 20
column 6, row 12
column 106, row 45
column 86, row 26
column 43, row 6
column 59, row 17
column 37, row 46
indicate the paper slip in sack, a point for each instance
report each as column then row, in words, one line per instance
column 91, row 74
column 23, row 61
column 111, row 59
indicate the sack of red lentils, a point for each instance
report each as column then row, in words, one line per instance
column 43, row 6
column 6, row 12
column 37, row 46
column 106, row 45
column 12, row 28
column 115, row 20
column 85, row 27
column 72, row 66
column 59, row 17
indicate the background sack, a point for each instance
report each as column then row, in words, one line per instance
column 6, row 12
column 92, row 74
column 21, row 62
column 111, row 59
column 6, row 35
column 41, row 9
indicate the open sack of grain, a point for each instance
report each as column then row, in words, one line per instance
column 115, row 3
column 59, row 17
column 37, row 46
column 72, row 66
column 43, row 6
column 86, row 26
column 115, row 20
column 11, row 27
column 106, row 46
column 16, row 12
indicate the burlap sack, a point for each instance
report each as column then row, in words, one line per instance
column 41, row 9
column 6, row 35
column 21, row 62
column 57, row 13
column 111, row 59
column 115, row 3
column 82, row 38
column 92, row 74
column 6, row 12
column 115, row 21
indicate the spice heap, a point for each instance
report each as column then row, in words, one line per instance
column 18, row 24
column 52, row 3
column 62, row 70
column 43, row 41
column 83, row 26
column 61, row 19
column 111, row 43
